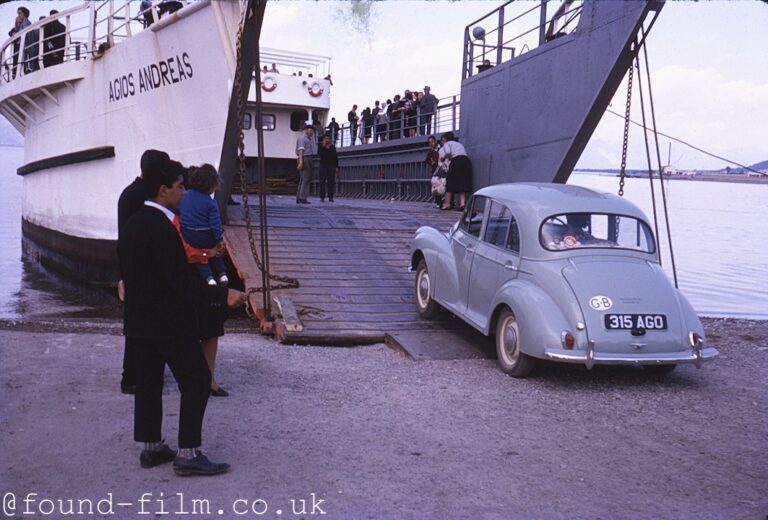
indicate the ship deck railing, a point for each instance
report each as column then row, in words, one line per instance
column 514, row 29
column 446, row 118
column 89, row 29
column 275, row 61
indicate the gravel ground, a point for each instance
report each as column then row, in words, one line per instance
column 376, row 435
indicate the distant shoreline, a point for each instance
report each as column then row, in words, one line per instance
column 708, row 177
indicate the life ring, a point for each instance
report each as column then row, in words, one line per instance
column 268, row 84
column 315, row 89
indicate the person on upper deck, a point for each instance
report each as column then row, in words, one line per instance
column 353, row 119
column 145, row 8
column 333, row 129
column 21, row 23
column 367, row 117
column 409, row 114
column 427, row 109
column 395, row 117
column 54, row 41
column 381, row 121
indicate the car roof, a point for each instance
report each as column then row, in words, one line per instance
column 533, row 202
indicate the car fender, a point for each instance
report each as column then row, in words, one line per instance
column 689, row 317
column 540, row 319
column 428, row 243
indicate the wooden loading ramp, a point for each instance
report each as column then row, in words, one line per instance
column 351, row 258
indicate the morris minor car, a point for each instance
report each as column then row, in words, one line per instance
column 561, row 273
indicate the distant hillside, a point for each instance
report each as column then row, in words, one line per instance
column 8, row 134
column 761, row 166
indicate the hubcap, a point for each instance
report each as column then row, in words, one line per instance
column 423, row 292
column 509, row 341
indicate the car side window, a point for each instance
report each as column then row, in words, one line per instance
column 513, row 242
column 497, row 229
column 472, row 219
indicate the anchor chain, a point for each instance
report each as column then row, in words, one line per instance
column 623, row 170
column 287, row 282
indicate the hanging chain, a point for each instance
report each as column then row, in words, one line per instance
column 623, row 171
column 288, row 282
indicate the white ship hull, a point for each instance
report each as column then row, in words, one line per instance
column 87, row 121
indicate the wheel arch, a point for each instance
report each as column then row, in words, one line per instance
column 540, row 319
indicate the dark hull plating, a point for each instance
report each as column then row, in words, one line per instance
column 91, row 261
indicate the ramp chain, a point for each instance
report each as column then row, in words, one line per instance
column 623, row 170
column 287, row 282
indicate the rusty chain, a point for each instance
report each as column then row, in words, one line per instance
column 287, row 282
column 623, row 171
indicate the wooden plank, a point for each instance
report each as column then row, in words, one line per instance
column 289, row 314
column 239, row 250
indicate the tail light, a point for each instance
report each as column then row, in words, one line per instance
column 567, row 339
column 695, row 339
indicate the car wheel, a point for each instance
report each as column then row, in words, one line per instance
column 428, row 307
column 512, row 360
column 658, row 370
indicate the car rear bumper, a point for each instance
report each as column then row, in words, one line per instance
column 590, row 357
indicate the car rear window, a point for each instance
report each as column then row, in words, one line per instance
column 596, row 230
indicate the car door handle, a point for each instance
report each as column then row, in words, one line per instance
column 509, row 266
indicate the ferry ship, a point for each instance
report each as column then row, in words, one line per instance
column 532, row 93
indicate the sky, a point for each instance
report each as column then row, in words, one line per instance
column 708, row 60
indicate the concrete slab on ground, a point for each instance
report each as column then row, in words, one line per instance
column 443, row 344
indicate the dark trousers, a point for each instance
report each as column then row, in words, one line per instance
column 186, row 361
column 327, row 181
column 395, row 129
column 425, row 122
column 129, row 363
column 352, row 134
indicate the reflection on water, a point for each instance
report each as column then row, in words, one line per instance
column 718, row 235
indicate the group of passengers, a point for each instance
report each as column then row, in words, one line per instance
column 402, row 116
column 34, row 53
column 451, row 171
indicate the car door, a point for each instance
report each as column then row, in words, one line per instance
column 451, row 291
column 496, row 261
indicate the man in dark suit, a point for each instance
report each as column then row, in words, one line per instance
column 131, row 200
column 162, row 293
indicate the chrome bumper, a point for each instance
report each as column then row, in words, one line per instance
column 591, row 358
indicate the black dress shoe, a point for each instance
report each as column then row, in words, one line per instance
column 200, row 465
column 127, row 389
column 219, row 392
column 150, row 459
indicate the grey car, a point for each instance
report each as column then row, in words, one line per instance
column 561, row 273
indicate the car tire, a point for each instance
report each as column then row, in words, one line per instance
column 658, row 370
column 428, row 308
column 513, row 361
